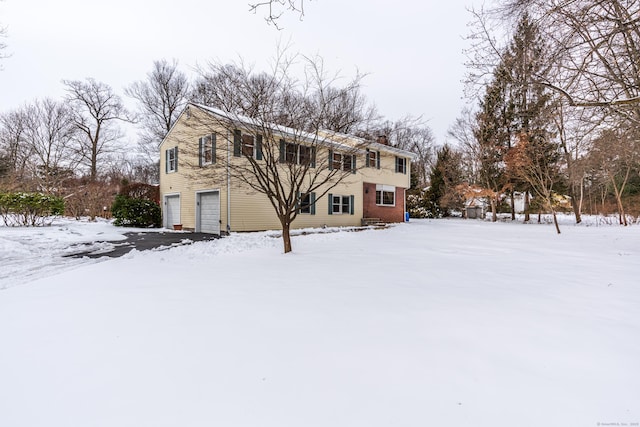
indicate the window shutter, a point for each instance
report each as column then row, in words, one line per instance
column 176, row 158
column 200, row 152
column 237, row 141
column 312, row 200
column 397, row 158
column 313, row 157
column 166, row 161
column 213, row 148
column 259, row 147
column 366, row 163
column 377, row 159
column 330, row 204
column 330, row 159
column 281, row 159
column 352, row 199
column 353, row 163
column 298, row 201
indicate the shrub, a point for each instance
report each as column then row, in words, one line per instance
column 132, row 212
column 29, row 209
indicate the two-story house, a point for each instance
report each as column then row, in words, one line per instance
column 202, row 153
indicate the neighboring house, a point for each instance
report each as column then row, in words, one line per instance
column 198, row 192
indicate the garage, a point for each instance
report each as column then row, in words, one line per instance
column 208, row 212
column 171, row 210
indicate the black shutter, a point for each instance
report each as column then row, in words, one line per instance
column 166, row 161
column 313, row 157
column 237, row 141
column 377, row 159
column 353, row 163
column 213, row 148
column 259, row 147
column 200, row 152
column 330, row 159
column 330, row 204
column 281, row 158
column 312, row 200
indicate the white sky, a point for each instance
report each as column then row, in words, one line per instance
column 412, row 50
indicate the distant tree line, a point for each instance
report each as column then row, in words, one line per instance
column 77, row 147
column 557, row 87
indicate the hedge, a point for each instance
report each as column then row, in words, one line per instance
column 29, row 209
column 133, row 212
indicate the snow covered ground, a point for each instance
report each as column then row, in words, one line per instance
column 430, row 323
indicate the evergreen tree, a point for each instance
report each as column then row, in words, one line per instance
column 441, row 197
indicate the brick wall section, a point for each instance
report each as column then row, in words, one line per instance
column 385, row 213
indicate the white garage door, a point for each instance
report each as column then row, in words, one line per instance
column 171, row 211
column 209, row 212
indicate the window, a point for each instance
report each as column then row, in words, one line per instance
column 336, row 161
column 291, row 153
column 385, row 195
column 401, row 165
column 297, row 154
column 306, row 155
column 207, row 150
column 171, row 158
column 248, row 145
column 339, row 161
column 340, row 204
column 308, row 204
column 373, row 159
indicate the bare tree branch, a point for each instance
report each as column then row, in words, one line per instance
column 276, row 8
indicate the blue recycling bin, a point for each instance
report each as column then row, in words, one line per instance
column 406, row 217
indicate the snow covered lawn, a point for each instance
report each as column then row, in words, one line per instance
column 431, row 323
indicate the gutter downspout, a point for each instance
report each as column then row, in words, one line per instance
column 228, row 184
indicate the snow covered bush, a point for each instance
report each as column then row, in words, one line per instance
column 134, row 212
column 29, row 209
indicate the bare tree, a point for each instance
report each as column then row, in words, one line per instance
column 463, row 133
column 50, row 131
column 410, row 134
column 161, row 98
column 276, row 8
column 535, row 160
column 14, row 148
column 3, row 45
column 617, row 154
column 97, row 109
column 596, row 48
column 260, row 111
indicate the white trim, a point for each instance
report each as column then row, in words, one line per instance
column 385, row 189
column 349, row 207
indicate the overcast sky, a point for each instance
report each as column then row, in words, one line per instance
column 412, row 50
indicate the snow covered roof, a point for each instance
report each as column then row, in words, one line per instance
column 332, row 139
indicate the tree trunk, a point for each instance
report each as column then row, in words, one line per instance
column 494, row 213
column 513, row 206
column 622, row 218
column 286, row 237
column 574, row 203
column 527, row 203
column 555, row 220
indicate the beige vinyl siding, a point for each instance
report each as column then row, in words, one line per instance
column 189, row 177
column 250, row 210
column 387, row 173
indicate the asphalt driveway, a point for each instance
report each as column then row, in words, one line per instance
column 143, row 241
